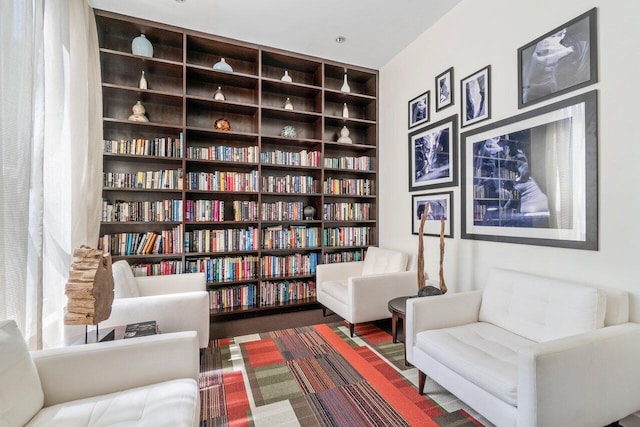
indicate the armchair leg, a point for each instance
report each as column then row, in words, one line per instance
column 351, row 328
column 421, row 380
column 324, row 311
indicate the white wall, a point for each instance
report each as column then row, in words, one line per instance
column 471, row 36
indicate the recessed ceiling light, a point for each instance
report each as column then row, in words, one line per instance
column 341, row 39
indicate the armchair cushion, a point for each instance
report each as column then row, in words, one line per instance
column 124, row 283
column 378, row 261
column 21, row 395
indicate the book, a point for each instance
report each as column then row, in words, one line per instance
column 141, row 329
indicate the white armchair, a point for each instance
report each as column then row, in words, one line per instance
column 360, row 291
column 177, row 302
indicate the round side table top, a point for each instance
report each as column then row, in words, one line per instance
column 399, row 304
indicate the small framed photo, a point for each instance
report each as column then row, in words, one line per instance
column 433, row 155
column 440, row 206
column 475, row 92
column 444, row 89
column 562, row 60
column 419, row 110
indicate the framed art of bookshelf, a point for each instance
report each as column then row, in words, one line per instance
column 213, row 183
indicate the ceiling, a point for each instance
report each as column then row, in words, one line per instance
column 375, row 30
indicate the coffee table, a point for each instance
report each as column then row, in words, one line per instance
column 398, row 307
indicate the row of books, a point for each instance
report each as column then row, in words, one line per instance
column 223, row 181
column 282, row 211
column 302, row 158
column 347, row 211
column 160, row 210
column 225, row 240
column 282, row 292
column 225, row 269
column 362, row 163
column 290, row 265
column 343, row 256
column 224, row 153
column 346, row 236
column 164, row 242
column 161, row 147
column 204, row 210
column 161, row 268
column 290, row 184
column 149, row 180
column 348, row 186
column 232, row 296
column 290, row 237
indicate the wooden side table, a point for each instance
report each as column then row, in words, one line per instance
column 398, row 307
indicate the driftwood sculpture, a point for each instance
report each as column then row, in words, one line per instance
column 422, row 289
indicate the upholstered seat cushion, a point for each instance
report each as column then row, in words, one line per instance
column 170, row 403
column 484, row 354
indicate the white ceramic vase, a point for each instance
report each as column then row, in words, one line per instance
column 142, row 46
column 345, row 86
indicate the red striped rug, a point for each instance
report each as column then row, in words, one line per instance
column 318, row 376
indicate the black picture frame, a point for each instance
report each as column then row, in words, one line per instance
column 560, row 61
column 444, row 90
column 439, row 204
column 533, row 178
column 475, row 97
column 419, row 110
column 433, row 155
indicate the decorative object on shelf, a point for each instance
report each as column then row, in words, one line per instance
column 345, row 86
column 142, row 46
column 222, row 124
column 345, row 111
column 222, row 66
column 344, row 136
column 286, row 77
column 288, row 132
column 142, row 84
column 218, row 95
column 138, row 113
column 309, row 212
column 288, row 105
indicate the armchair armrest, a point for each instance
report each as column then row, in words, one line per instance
column 71, row 373
column 437, row 312
column 171, row 284
column 337, row 271
column 585, row 379
column 375, row 291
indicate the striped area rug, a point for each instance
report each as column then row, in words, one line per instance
column 319, row 376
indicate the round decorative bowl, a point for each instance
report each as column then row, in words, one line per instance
column 309, row 212
column 288, row 132
column 222, row 124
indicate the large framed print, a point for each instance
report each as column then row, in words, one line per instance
column 433, row 155
column 475, row 92
column 562, row 60
column 440, row 206
column 532, row 178
column 419, row 110
column 444, row 89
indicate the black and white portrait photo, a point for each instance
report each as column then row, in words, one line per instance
column 559, row 61
column 475, row 90
column 439, row 207
column 444, row 89
column 419, row 110
column 432, row 152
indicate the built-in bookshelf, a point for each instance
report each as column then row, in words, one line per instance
column 182, row 194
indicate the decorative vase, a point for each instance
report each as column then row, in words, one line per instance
column 219, row 95
column 344, row 136
column 288, row 132
column 138, row 113
column 345, row 86
column 345, row 111
column 222, row 66
column 288, row 105
column 142, row 84
column 286, row 77
column 142, row 46
column 309, row 212
column 222, row 124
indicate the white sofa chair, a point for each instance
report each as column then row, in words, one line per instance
column 177, row 302
column 147, row 381
column 360, row 291
column 530, row 351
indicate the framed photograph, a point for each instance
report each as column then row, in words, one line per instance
column 532, row 178
column 444, row 89
column 475, row 92
column 562, row 60
column 419, row 110
column 440, row 206
column 433, row 155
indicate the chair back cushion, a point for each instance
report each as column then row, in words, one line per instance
column 21, row 395
column 378, row 261
column 540, row 308
column 124, row 284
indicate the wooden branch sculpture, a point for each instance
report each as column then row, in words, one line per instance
column 443, row 286
column 421, row 278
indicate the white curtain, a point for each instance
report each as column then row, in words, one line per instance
column 54, row 143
